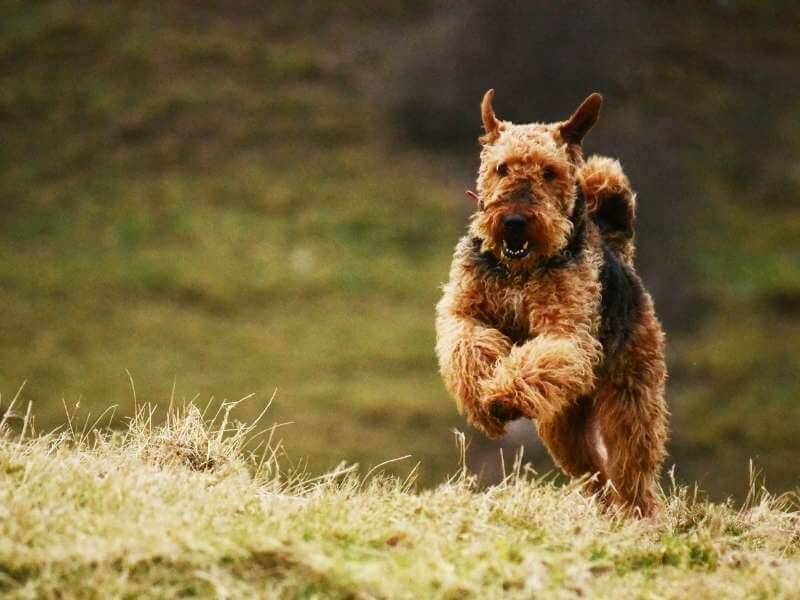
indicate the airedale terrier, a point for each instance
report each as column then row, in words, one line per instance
column 544, row 316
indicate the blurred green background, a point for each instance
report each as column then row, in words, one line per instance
column 226, row 198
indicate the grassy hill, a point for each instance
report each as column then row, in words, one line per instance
column 185, row 510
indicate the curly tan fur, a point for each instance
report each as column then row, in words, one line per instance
column 544, row 317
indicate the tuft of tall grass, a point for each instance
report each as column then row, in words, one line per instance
column 195, row 503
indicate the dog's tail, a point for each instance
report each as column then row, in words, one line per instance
column 611, row 203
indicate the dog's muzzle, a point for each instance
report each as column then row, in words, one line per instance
column 515, row 239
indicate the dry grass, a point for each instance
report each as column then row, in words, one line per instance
column 194, row 506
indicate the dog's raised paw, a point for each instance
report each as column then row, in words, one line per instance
column 504, row 408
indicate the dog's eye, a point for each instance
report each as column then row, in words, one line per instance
column 548, row 174
column 502, row 169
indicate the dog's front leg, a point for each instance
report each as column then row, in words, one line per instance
column 468, row 352
column 542, row 376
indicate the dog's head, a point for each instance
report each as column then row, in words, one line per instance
column 527, row 183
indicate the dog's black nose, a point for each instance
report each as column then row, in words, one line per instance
column 514, row 223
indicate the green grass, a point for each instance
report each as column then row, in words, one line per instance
column 185, row 509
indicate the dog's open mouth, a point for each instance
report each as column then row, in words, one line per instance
column 514, row 250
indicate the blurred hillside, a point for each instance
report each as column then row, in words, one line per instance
column 229, row 200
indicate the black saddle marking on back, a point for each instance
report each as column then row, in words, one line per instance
column 622, row 298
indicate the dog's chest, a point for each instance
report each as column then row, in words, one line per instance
column 513, row 310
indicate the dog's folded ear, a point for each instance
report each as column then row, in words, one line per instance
column 490, row 123
column 582, row 120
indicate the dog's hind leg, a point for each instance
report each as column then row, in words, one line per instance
column 632, row 427
column 573, row 440
column 632, row 419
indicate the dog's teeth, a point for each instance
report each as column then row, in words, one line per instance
column 514, row 252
